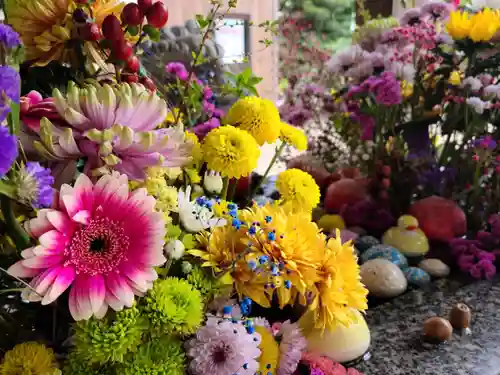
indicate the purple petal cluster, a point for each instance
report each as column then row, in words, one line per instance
column 10, row 87
column 486, row 143
column 43, row 194
column 8, row 37
column 178, row 69
column 369, row 215
column 386, row 88
column 472, row 259
column 8, row 150
column 292, row 345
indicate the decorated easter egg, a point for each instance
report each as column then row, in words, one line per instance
column 385, row 252
column 416, row 276
column 365, row 242
column 383, row 278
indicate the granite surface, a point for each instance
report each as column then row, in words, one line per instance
column 396, row 327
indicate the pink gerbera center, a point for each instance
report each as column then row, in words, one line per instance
column 99, row 247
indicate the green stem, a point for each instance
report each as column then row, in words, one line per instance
column 18, row 234
column 277, row 154
column 232, row 189
column 225, row 186
column 7, row 189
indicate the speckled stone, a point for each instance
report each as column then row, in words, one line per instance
column 416, row 276
column 390, row 253
column 396, row 328
column 363, row 243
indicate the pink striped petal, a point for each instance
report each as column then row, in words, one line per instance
column 64, row 278
column 113, row 302
column 84, row 191
column 45, row 280
column 43, row 261
column 82, row 217
column 28, row 253
column 53, row 239
column 39, row 225
column 65, row 190
column 83, row 298
column 97, row 292
column 72, row 204
column 21, row 271
column 61, row 222
column 73, row 305
column 43, row 251
column 120, row 288
column 101, row 313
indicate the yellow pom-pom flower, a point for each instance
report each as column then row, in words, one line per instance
column 298, row 190
column 29, row 358
column 270, row 351
column 230, row 151
column 256, row 115
column 293, row 136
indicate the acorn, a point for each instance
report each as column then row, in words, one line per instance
column 437, row 329
column 460, row 316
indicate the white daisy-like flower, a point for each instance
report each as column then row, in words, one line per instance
column 344, row 60
column 195, row 217
column 175, row 249
column 492, row 91
column 477, row 104
column 472, row 83
column 212, row 182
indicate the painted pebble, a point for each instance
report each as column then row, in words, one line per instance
column 435, row 267
column 363, row 243
column 416, row 276
column 390, row 253
column 383, row 278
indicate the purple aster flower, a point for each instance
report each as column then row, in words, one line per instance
column 485, row 143
column 178, row 69
column 223, row 347
column 317, row 371
column 344, row 60
column 207, row 93
column 8, row 37
column 34, row 185
column 292, row 346
column 219, row 113
column 10, row 85
column 387, row 90
column 8, row 150
column 412, row 17
column 201, row 130
column 436, row 10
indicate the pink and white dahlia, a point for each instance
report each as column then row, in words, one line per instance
column 292, row 346
column 115, row 128
column 99, row 239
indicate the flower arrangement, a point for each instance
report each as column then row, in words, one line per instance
column 126, row 246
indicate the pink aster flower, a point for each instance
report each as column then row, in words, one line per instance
column 101, row 240
column 34, row 107
column 223, row 347
column 292, row 346
column 327, row 366
column 115, row 128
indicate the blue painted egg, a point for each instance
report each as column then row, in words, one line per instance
column 363, row 243
column 416, row 276
column 390, row 253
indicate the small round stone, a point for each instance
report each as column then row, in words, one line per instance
column 365, row 242
column 438, row 329
column 435, row 267
column 416, row 276
column 390, row 253
column 383, row 278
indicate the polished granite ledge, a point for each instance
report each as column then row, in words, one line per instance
column 396, row 327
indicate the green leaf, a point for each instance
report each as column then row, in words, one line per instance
column 202, row 21
column 173, row 231
column 133, row 30
column 13, row 118
column 153, row 33
column 7, row 189
column 189, row 241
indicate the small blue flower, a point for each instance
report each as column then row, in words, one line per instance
column 8, row 37
column 232, row 206
column 252, row 265
column 233, row 213
column 8, row 147
column 263, row 259
column 268, row 219
column 236, row 223
column 209, row 204
column 271, row 236
column 252, row 230
column 288, row 284
column 200, row 201
column 227, row 310
column 34, row 185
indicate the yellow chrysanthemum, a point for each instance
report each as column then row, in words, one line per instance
column 459, row 24
column 298, row 190
column 455, row 78
column 46, row 25
column 340, row 289
column 256, row 115
column 484, row 25
column 293, row 136
column 406, row 89
column 230, row 151
column 270, row 352
column 29, row 358
column 196, row 152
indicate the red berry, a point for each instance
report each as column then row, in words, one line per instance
column 122, row 50
column 148, row 83
column 144, row 5
column 91, row 32
column 386, row 170
column 386, row 183
column 130, row 78
column 112, row 29
column 157, row 15
column 132, row 15
column 133, row 64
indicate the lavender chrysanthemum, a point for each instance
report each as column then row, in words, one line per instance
column 411, row 17
column 8, row 37
column 10, row 87
column 292, row 345
column 224, row 348
column 8, row 150
column 34, row 185
column 436, row 10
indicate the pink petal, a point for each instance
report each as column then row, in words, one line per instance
column 65, row 277
column 43, row 251
column 28, row 253
column 39, row 225
column 113, row 302
column 101, row 313
column 82, row 217
column 97, row 292
column 73, row 305
column 83, row 190
column 83, row 298
column 61, row 222
column 43, row 261
column 45, row 280
column 120, row 289
column 21, row 271
column 53, row 239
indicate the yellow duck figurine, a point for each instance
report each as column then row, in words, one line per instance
column 407, row 237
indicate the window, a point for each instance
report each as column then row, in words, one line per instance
column 233, row 35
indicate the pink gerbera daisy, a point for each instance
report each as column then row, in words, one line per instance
column 102, row 240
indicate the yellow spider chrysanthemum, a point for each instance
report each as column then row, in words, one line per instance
column 46, row 26
column 256, row 115
column 459, row 24
column 230, row 151
column 270, row 351
column 293, row 136
column 340, row 289
column 484, row 25
column 298, row 190
column 29, row 358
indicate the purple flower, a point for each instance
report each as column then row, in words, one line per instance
column 34, row 185
column 317, row 371
column 203, row 129
column 8, row 37
column 207, row 93
column 411, row 17
column 208, row 107
column 292, row 345
column 10, row 86
column 436, row 10
column 219, row 113
column 8, row 150
column 486, row 143
column 178, row 69
column 387, row 89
